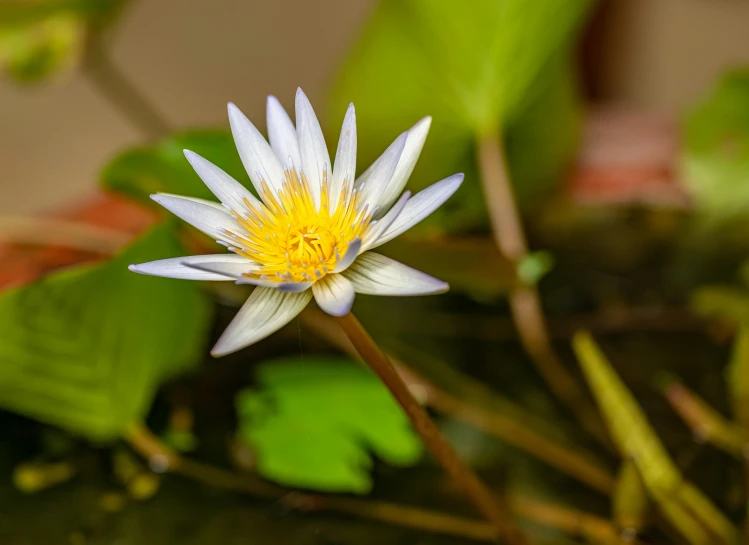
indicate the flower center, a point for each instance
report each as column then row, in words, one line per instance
column 291, row 239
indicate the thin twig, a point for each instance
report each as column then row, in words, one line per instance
column 518, row 433
column 490, row 506
column 570, row 521
column 117, row 88
column 525, row 302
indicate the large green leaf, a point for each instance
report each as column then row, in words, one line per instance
column 86, row 348
column 716, row 149
column 313, row 423
column 500, row 64
column 139, row 172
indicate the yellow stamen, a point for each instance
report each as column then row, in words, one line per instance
column 290, row 238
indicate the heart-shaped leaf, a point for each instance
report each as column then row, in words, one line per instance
column 315, row 422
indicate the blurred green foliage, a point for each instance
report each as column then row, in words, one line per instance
column 500, row 65
column 534, row 266
column 690, row 512
column 716, row 149
column 85, row 348
column 313, row 423
column 727, row 303
column 41, row 38
column 162, row 168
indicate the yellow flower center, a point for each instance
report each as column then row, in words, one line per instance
column 290, row 238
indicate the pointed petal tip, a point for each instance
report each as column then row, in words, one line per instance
column 426, row 120
column 234, row 111
column 133, row 268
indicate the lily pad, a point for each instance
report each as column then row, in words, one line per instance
column 316, row 423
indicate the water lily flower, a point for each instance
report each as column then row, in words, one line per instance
column 313, row 229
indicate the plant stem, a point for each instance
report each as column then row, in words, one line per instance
column 575, row 523
column 525, row 302
column 516, row 430
column 117, row 88
column 488, row 505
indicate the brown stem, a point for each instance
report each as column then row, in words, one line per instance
column 117, row 88
column 488, row 505
column 570, row 521
column 706, row 423
column 525, row 302
column 516, row 431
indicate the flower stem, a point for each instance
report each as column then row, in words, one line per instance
column 462, row 402
column 488, row 505
column 525, row 302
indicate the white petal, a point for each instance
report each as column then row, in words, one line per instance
column 180, row 267
column 382, row 170
column 294, row 287
column 351, row 254
column 334, row 294
column 257, row 156
column 282, row 134
column 227, row 189
column 210, row 217
column 230, row 269
column 415, row 142
column 344, row 170
column 315, row 159
column 420, row 206
column 267, row 310
column 375, row 274
column 380, row 226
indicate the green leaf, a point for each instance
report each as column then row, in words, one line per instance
column 503, row 63
column 684, row 505
column 315, row 422
column 86, row 348
column 31, row 53
column 716, row 149
column 41, row 38
column 630, row 504
column 737, row 377
column 162, row 168
column 723, row 302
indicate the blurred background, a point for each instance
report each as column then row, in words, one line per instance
column 622, row 127
column 190, row 58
